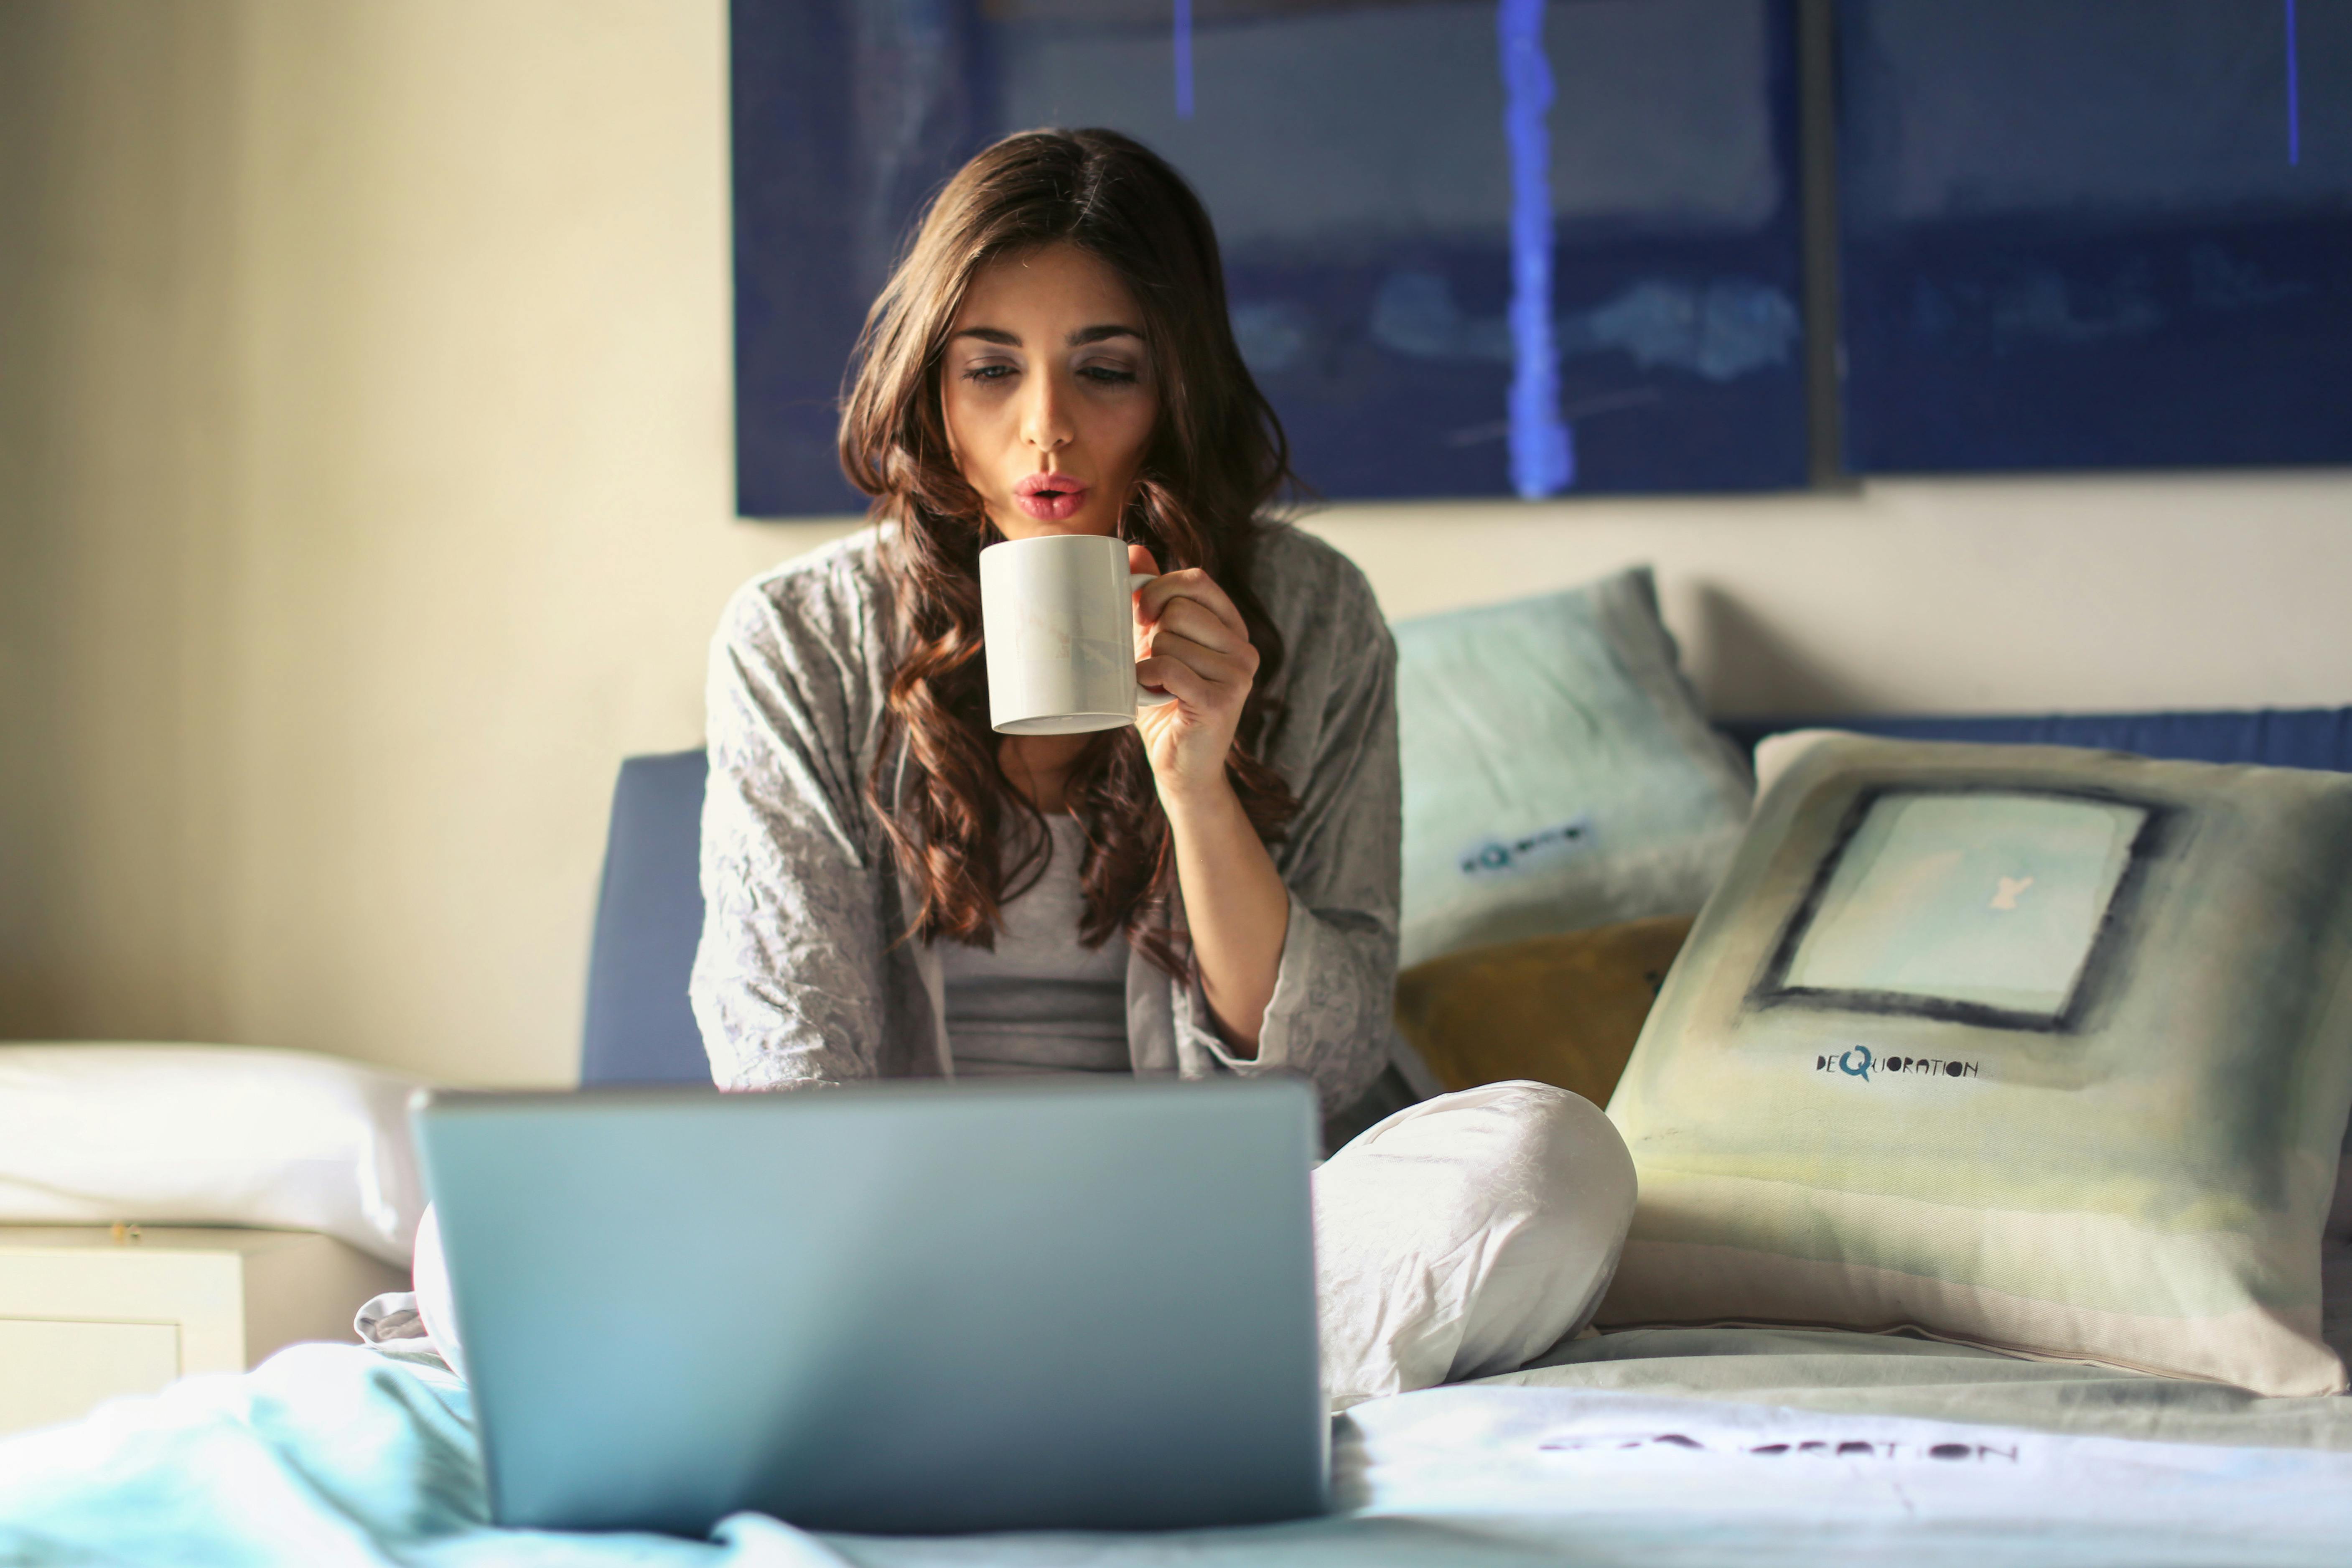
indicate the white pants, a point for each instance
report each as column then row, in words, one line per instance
column 1460, row 1236
column 1465, row 1236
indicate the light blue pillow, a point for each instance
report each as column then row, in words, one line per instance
column 1559, row 772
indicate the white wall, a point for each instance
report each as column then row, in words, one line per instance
column 365, row 496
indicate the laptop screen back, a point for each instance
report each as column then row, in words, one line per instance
column 892, row 1309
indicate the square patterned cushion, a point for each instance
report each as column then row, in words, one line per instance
column 2043, row 1049
column 1559, row 772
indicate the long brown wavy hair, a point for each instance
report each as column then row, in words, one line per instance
column 1215, row 463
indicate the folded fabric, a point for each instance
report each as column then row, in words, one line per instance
column 1559, row 771
column 179, row 1135
column 323, row 1453
column 2043, row 1049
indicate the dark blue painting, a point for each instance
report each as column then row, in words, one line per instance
column 1474, row 247
column 2095, row 233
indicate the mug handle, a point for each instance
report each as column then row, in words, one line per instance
column 1144, row 696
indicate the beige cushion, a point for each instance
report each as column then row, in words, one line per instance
column 2045, row 1050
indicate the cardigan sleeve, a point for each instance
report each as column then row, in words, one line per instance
column 789, row 980
column 1332, row 1015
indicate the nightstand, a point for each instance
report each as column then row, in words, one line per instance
column 89, row 1311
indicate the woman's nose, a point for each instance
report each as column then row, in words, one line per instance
column 1044, row 416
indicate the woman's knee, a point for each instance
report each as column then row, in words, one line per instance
column 1486, row 1222
column 1565, row 1156
column 1517, row 1144
column 1573, row 1186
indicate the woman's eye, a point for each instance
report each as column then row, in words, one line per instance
column 988, row 373
column 1108, row 374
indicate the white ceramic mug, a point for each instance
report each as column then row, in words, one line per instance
column 1056, row 614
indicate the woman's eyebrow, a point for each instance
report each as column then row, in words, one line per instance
column 1078, row 339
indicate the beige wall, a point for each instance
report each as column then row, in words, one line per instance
column 364, row 497
column 1972, row 594
column 364, row 459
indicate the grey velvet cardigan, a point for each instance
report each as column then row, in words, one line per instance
column 801, row 979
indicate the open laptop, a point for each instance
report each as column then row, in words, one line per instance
column 887, row 1309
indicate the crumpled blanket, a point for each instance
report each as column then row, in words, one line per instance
column 323, row 1456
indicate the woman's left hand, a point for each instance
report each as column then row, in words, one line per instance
column 1192, row 642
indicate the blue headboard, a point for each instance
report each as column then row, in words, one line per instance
column 2278, row 738
column 648, row 919
column 649, row 911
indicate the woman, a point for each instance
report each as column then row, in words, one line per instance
column 894, row 890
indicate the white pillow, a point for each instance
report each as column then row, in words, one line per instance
column 162, row 1135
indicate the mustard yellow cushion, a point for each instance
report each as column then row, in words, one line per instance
column 1563, row 1009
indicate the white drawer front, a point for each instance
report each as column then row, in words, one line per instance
column 52, row 1372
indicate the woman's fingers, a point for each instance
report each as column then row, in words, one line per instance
column 1222, row 666
column 1190, row 585
column 1199, row 649
column 1191, row 618
column 1180, row 680
column 1213, row 666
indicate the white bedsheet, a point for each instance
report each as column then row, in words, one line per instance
column 1614, row 1467
column 340, row 1455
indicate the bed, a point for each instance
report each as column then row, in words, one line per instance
column 1699, row 1445
column 1747, row 1446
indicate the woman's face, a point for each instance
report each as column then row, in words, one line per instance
column 1047, row 390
